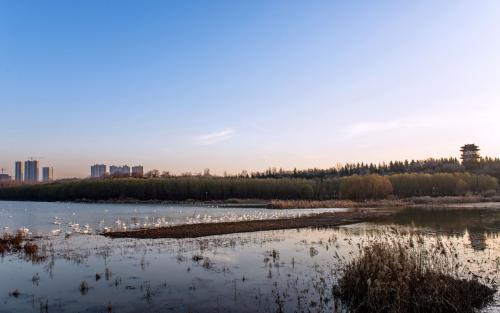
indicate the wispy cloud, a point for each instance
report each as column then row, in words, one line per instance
column 215, row 137
column 367, row 128
column 360, row 129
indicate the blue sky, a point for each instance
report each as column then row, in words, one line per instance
column 232, row 85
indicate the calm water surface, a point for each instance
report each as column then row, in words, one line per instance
column 44, row 218
column 254, row 272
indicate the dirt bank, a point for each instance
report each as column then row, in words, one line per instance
column 383, row 203
column 209, row 229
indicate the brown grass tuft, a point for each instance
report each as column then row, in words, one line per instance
column 10, row 243
column 3, row 247
column 16, row 293
column 30, row 249
column 84, row 288
column 394, row 278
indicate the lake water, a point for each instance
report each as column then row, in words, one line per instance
column 48, row 218
column 292, row 270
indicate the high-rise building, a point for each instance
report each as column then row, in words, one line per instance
column 47, row 174
column 98, row 171
column 19, row 176
column 126, row 170
column 113, row 170
column 31, row 171
column 137, row 171
column 119, row 171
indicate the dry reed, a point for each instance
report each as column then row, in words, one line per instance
column 405, row 277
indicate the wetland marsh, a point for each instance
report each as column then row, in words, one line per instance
column 293, row 270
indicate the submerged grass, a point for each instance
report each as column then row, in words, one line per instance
column 21, row 245
column 399, row 277
column 10, row 242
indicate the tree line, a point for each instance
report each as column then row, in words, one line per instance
column 355, row 187
column 486, row 165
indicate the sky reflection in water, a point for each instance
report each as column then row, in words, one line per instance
column 252, row 272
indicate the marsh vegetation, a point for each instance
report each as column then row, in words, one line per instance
column 281, row 270
column 408, row 277
column 21, row 245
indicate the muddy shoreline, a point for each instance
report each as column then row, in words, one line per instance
column 329, row 219
column 211, row 229
column 310, row 204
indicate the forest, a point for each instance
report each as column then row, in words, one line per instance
column 486, row 166
column 355, row 187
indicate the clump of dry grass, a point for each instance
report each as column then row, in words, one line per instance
column 109, row 307
column 84, row 288
column 3, row 247
column 19, row 244
column 30, row 249
column 16, row 293
column 10, row 243
column 393, row 277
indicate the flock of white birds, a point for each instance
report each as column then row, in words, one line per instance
column 70, row 226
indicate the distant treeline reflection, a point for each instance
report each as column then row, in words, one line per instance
column 355, row 187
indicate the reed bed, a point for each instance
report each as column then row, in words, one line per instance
column 408, row 276
column 10, row 243
column 18, row 243
column 320, row 204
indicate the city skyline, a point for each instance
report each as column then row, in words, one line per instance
column 469, row 153
column 238, row 86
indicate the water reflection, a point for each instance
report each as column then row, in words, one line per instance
column 476, row 224
column 289, row 270
column 60, row 219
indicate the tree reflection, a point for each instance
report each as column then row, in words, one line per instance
column 478, row 223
